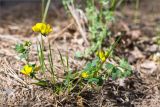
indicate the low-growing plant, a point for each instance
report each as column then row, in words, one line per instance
column 98, row 19
column 99, row 70
column 23, row 50
column 93, row 74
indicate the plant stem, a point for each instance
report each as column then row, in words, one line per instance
column 113, row 4
column 42, row 7
column 46, row 10
column 51, row 63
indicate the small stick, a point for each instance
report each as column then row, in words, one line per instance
column 61, row 32
column 151, row 87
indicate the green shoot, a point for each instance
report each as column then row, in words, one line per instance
column 50, row 59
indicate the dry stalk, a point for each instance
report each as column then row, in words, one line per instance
column 61, row 32
column 77, row 19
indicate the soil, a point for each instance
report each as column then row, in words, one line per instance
column 139, row 28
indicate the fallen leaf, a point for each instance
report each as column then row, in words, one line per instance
column 148, row 67
column 137, row 53
column 135, row 34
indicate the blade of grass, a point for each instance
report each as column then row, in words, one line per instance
column 51, row 58
column 62, row 61
column 41, row 56
column 51, row 63
column 68, row 81
column 114, row 45
column 67, row 58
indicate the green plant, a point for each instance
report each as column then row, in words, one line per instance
column 94, row 73
column 122, row 71
column 23, row 50
column 98, row 20
column 99, row 70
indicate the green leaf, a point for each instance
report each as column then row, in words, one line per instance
column 78, row 54
column 93, row 80
column 20, row 48
column 24, row 55
column 116, row 73
column 94, row 62
column 32, row 74
column 27, row 43
column 124, row 64
column 68, row 77
column 42, row 83
column 127, row 68
column 100, row 82
column 114, row 76
column 88, row 66
column 127, row 73
column 109, row 66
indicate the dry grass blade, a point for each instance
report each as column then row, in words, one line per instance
column 13, row 38
column 81, row 28
column 61, row 32
column 9, row 71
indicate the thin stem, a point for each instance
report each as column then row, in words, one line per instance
column 37, row 78
column 41, row 54
column 67, row 59
column 62, row 60
column 46, row 11
column 113, row 4
column 43, row 6
column 51, row 63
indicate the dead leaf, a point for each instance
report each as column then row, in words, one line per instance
column 137, row 53
column 148, row 67
column 152, row 48
column 135, row 34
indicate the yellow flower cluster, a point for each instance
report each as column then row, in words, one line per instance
column 42, row 28
column 27, row 70
column 101, row 55
column 85, row 75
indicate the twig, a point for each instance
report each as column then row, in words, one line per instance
column 61, row 32
column 151, row 87
column 76, row 18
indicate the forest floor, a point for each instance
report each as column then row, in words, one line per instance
column 138, row 45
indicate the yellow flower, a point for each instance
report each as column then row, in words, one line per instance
column 101, row 55
column 42, row 28
column 27, row 70
column 85, row 75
